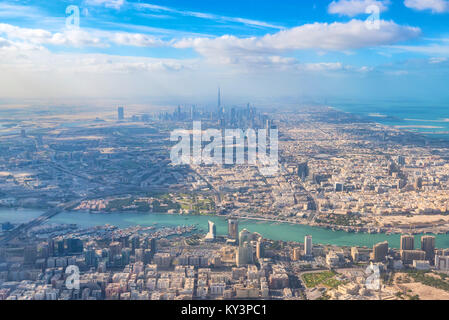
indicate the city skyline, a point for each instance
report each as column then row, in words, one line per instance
column 225, row 151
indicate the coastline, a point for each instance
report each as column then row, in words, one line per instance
column 400, row 124
column 347, row 229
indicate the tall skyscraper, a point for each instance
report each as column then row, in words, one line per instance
column 135, row 242
column 245, row 255
column 30, row 254
column 179, row 113
column 244, row 236
column 308, row 246
column 121, row 113
column 303, row 171
column 407, row 242
column 296, row 256
column 339, row 187
column 233, row 116
column 355, row 254
column 260, row 249
column 192, row 112
column 220, row 108
column 211, row 235
column 153, row 245
column 233, row 229
column 418, row 183
column 380, row 251
column 428, row 246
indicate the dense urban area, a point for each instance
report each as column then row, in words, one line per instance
column 336, row 171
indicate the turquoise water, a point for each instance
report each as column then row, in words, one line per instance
column 431, row 119
column 18, row 216
column 270, row 230
column 274, row 231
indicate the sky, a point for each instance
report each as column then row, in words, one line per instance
column 266, row 51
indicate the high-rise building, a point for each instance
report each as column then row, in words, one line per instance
column 74, row 245
column 380, row 252
column 120, row 113
column 220, row 108
column 308, row 246
column 339, row 187
column 233, row 116
column 355, row 254
column 442, row 263
column 408, row 256
column 135, row 242
column 244, row 254
column 179, row 113
column 60, row 247
column 30, row 254
column 303, row 170
column 211, row 235
column 244, row 236
column 418, row 183
column 233, row 229
column 192, row 112
column 407, row 242
column 153, row 245
column 296, row 256
column 260, row 249
column 428, row 246
column 115, row 248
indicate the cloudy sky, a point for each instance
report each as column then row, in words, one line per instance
column 178, row 51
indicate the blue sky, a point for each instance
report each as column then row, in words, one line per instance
column 268, row 51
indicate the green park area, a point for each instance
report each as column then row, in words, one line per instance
column 326, row 279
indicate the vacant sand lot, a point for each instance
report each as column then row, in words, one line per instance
column 415, row 220
column 425, row 292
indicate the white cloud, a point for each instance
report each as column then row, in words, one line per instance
column 136, row 39
column 8, row 10
column 432, row 49
column 437, row 60
column 114, row 4
column 324, row 66
column 435, row 48
column 436, row 6
column 79, row 37
column 4, row 43
column 353, row 8
column 318, row 36
column 31, row 35
column 74, row 38
column 208, row 16
column 24, row 56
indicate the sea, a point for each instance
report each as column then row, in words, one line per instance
column 430, row 119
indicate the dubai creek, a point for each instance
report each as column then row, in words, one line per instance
column 269, row 230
